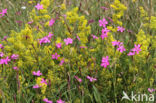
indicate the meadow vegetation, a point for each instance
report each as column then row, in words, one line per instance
column 76, row 51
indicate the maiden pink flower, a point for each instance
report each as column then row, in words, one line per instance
column 115, row 43
column 4, row 11
column 60, row 101
column 14, row 56
column 47, row 101
column 131, row 53
column 68, row 41
column 103, row 22
column 15, row 68
column 77, row 37
column 121, row 29
column 103, row 36
column 137, row 48
column 30, row 22
column 91, row 79
column 39, row 7
column 62, row 61
column 1, row 54
column 58, row 45
column 2, row 61
column 151, row 90
column 1, row 46
column 43, row 81
column 51, row 22
column 44, row 40
column 104, row 33
column 94, row 36
column 105, row 30
column 55, row 56
column 36, row 86
column 5, row 61
column 121, row 48
column 78, row 79
column 105, row 62
column 5, row 37
column 104, row 8
column 38, row 73
column 50, row 35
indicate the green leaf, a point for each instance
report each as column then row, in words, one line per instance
column 96, row 95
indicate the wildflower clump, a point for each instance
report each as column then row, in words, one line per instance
column 64, row 53
column 72, row 18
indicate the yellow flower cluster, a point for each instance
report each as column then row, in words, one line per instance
column 144, row 41
column 75, row 22
column 119, row 11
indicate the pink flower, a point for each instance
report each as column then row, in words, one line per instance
column 104, row 8
column 91, row 79
column 94, row 36
column 1, row 46
column 5, row 37
column 131, row 53
column 50, row 35
column 38, row 73
column 36, row 86
column 105, row 30
column 30, row 22
column 68, row 41
column 55, row 56
column 4, row 11
column 14, row 56
column 105, row 62
column 62, row 61
column 78, row 79
column 103, row 36
column 44, row 40
column 77, row 37
column 1, row 54
column 121, row 29
column 114, row 43
column 39, row 7
column 43, row 81
column 137, row 48
column 60, row 101
column 104, row 33
column 58, row 45
column 103, row 22
column 15, row 68
column 151, row 90
column 121, row 48
column 51, row 22
column 47, row 101
column 5, row 61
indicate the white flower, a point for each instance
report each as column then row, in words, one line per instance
column 23, row 7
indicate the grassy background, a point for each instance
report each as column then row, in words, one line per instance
column 17, row 17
